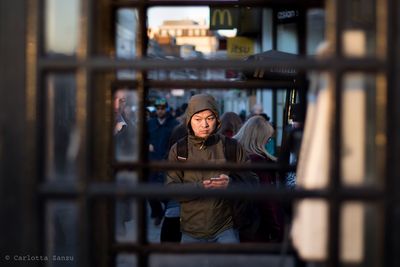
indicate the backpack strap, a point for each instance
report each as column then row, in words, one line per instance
column 182, row 148
column 230, row 149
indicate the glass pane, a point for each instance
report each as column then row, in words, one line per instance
column 126, row 211
column 359, row 37
column 61, row 233
column 287, row 38
column 363, row 121
column 315, row 29
column 125, row 128
column 126, row 38
column 126, row 214
column 126, row 260
column 61, row 27
column 361, row 234
column 62, row 140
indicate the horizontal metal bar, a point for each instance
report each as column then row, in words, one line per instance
column 228, row 166
column 199, row 84
column 221, row 3
column 348, row 64
column 209, row 248
column 96, row 190
column 207, row 84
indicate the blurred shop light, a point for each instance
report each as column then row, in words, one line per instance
column 178, row 92
column 228, row 33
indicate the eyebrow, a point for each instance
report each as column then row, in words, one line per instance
column 198, row 116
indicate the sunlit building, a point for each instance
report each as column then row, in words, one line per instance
column 186, row 32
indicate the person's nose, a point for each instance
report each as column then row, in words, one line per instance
column 205, row 123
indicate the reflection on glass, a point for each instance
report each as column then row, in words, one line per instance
column 287, row 38
column 126, row 35
column 61, row 27
column 62, row 139
column 315, row 29
column 125, row 125
column 62, row 233
column 125, row 212
column 126, row 260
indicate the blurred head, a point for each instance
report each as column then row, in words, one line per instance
column 230, row 124
column 119, row 102
column 254, row 134
column 161, row 105
column 257, row 109
column 202, row 115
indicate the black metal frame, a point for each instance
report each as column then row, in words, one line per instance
column 86, row 63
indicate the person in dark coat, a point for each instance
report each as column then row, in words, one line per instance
column 159, row 133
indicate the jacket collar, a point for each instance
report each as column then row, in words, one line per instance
column 203, row 142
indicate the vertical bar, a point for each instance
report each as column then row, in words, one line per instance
column 143, row 256
column 392, row 201
column 302, row 31
column 82, row 122
column 18, row 227
column 334, row 186
column 32, row 51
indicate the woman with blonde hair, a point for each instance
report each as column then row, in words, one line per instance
column 253, row 136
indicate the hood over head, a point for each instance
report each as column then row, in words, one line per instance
column 199, row 103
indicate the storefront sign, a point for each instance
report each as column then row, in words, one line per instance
column 223, row 18
column 240, row 47
column 286, row 16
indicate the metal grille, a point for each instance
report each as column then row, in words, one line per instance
column 86, row 63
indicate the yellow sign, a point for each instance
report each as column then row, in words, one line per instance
column 240, row 47
column 223, row 18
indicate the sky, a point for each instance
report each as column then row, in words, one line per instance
column 156, row 15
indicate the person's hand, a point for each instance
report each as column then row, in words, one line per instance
column 151, row 148
column 220, row 182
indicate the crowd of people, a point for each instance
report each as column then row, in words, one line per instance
column 200, row 134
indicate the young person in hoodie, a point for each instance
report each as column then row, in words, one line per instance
column 206, row 219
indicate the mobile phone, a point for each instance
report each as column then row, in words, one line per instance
column 214, row 178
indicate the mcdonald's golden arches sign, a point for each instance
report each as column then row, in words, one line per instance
column 223, row 18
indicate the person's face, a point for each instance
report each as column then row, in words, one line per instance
column 203, row 123
column 119, row 102
column 161, row 111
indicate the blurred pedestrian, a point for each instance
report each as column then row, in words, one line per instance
column 253, row 136
column 230, row 124
column 171, row 226
column 159, row 132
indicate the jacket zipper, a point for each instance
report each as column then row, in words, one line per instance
column 202, row 145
